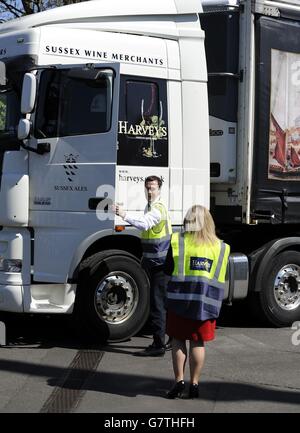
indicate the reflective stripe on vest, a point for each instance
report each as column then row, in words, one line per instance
column 197, row 296
column 156, row 241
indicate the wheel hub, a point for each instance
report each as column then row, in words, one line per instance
column 116, row 297
column 287, row 287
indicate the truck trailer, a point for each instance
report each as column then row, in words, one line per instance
column 98, row 95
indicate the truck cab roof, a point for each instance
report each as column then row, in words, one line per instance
column 95, row 12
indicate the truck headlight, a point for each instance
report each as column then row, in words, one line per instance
column 10, row 265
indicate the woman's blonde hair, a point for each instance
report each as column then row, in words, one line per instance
column 200, row 224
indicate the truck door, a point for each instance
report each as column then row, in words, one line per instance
column 143, row 143
column 75, row 134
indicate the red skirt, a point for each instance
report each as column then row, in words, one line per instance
column 186, row 329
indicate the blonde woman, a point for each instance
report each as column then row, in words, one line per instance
column 197, row 262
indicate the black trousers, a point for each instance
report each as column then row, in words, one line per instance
column 158, row 291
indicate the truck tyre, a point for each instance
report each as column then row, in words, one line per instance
column 112, row 302
column 280, row 291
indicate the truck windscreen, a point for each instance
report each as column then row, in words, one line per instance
column 9, row 117
column 72, row 105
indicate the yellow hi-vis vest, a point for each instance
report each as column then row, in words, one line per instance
column 156, row 241
column 196, row 288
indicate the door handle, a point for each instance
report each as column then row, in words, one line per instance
column 43, row 148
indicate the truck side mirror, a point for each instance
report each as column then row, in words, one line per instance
column 24, row 129
column 28, row 93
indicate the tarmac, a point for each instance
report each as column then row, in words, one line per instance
column 247, row 370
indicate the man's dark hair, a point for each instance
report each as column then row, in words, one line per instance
column 153, row 178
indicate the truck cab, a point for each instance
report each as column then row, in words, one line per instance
column 96, row 99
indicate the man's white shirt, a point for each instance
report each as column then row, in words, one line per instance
column 148, row 220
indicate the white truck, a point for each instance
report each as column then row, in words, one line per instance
column 94, row 97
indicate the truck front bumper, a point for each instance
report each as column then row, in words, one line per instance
column 11, row 298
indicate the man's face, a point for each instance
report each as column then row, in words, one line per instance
column 152, row 190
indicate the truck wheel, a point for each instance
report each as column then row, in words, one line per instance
column 280, row 293
column 113, row 296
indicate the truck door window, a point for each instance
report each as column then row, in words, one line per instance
column 143, row 123
column 70, row 106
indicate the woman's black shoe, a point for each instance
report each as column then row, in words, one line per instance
column 177, row 390
column 194, row 390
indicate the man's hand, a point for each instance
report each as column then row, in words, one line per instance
column 118, row 210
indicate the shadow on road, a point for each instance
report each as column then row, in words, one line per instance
column 46, row 331
column 239, row 315
column 132, row 385
column 24, row 330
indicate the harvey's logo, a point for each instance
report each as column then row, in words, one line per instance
column 151, row 129
column 200, row 264
column 70, row 166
